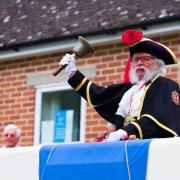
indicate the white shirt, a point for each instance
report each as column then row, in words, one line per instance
column 130, row 102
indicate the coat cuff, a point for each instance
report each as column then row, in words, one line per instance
column 77, row 80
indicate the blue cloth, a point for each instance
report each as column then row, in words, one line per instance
column 93, row 161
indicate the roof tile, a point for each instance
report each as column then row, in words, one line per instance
column 32, row 21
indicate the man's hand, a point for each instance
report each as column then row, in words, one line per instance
column 117, row 135
column 132, row 137
column 70, row 63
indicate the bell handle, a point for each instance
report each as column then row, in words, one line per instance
column 61, row 67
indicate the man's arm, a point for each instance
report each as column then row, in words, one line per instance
column 158, row 117
column 145, row 128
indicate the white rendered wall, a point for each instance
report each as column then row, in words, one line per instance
column 21, row 163
column 164, row 159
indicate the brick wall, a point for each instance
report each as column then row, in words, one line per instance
column 17, row 99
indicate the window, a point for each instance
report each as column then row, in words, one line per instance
column 52, row 100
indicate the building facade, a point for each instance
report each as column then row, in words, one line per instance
column 30, row 94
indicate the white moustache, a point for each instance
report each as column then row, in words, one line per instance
column 147, row 75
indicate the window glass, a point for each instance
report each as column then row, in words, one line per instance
column 53, row 102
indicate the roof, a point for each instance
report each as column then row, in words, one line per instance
column 32, row 21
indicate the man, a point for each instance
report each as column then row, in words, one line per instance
column 11, row 136
column 148, row 106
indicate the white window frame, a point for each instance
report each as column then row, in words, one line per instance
column 38, row 104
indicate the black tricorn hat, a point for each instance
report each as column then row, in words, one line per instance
column 138, row 44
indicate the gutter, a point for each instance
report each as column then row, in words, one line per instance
column 94, row 40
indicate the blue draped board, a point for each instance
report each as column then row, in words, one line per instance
column 93, row 161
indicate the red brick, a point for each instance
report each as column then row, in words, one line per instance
column 16, row 94
column 101, row 66
column 8, row 112
column 115, row 51
column 108, row 59
column 21, row 111
column 5, row 85
column 108, row 71
column 93, row 61
column 100, row 53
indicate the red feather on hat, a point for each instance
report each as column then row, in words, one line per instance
column 126, row 72
column 130, row 37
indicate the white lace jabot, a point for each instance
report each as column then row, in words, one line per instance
column 130, row 102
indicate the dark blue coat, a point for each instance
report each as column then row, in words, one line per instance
column 159, row 113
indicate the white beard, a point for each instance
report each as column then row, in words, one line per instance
column 134, row 79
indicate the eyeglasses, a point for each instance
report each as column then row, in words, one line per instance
column 142, row 58
column 9, row 135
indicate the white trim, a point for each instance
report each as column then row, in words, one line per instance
column 46, row 48
column 83, row 120
column 53, row 87
column 38, row 103
column 37, row 117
